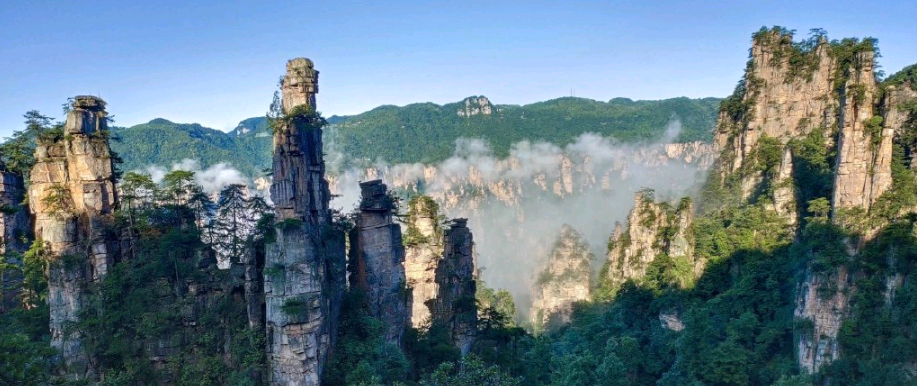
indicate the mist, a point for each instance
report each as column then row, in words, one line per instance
column 212, row 179
column 517, row 205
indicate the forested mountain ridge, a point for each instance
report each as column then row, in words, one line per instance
column 426, row 132
column 795, row 264
column 421, row 132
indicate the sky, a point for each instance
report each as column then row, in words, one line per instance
column 218, row 62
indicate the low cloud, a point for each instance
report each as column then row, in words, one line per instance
column 212, row 179
column 517, row 205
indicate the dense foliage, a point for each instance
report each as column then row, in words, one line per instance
column 426, row 132
column 164, row 143
column 415, row 133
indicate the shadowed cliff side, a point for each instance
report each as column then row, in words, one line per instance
column 303, row 294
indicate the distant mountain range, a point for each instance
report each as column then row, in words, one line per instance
column 421, row 132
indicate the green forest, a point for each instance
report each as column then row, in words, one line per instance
column 422, row 132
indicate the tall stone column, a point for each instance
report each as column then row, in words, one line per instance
column 455, row 306
column 14, row 226
column 304, row 275
column 423, row 252
column 71, row 191
column 377, row 260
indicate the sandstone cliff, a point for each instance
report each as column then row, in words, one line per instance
column 476, row 106
column 423, row 253
column 789, row 91
column 304, row 268
column 454, row 307
column 14, row 228
column 70, row 194
column 376, row 261
column 653, row 231
column 563, row 281
column 792, row 90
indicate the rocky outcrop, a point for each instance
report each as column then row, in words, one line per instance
column 564, row 281
column 377, row 260
column 864, row 146
column 299, row 85
column 454, row 307
column 71, row 193
column 423, row 242
column 822, row 303
column 783, row 199
column 898, row 117
column 653, row 229
column 304, row 268
column 779, row 100
column 697, row 152
column 476, row 106
column 14, row 228
column 789, row 90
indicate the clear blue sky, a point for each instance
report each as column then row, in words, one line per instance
column 217, row 62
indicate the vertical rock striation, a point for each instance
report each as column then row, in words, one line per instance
column 864, row 147
column 454, row 306
column 304, row 268
column 824, row 300
column 377, row 260
column 14, row 226
column 564, row 280
column 790, row 90
column 778, row 101
column 653, row 229
column 423, row 253
column 71, row 191
column 786, row 94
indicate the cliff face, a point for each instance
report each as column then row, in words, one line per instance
column 864, row 147
column 14, row 228
column 304, row 269
column 377, row 260
column 780, row 103
column 653, row 229
column 454, row 307
column 789, row 91
column 475, row 106
column 423, row 253
column 564, row 280
column 70, row 193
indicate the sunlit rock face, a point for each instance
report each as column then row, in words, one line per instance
column 787, row 95
column 304, row 268
column 652, row 229
column 72, row 195
column 423, row 253
column 377, row 260
column 476, row 106
column 786, row 101
column 563, row 281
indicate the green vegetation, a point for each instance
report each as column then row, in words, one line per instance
column 422, row 206
column 426, row 132
column 415, row 133
column 164, row 143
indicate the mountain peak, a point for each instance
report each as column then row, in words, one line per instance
column 160, row 121
column 475, row 105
